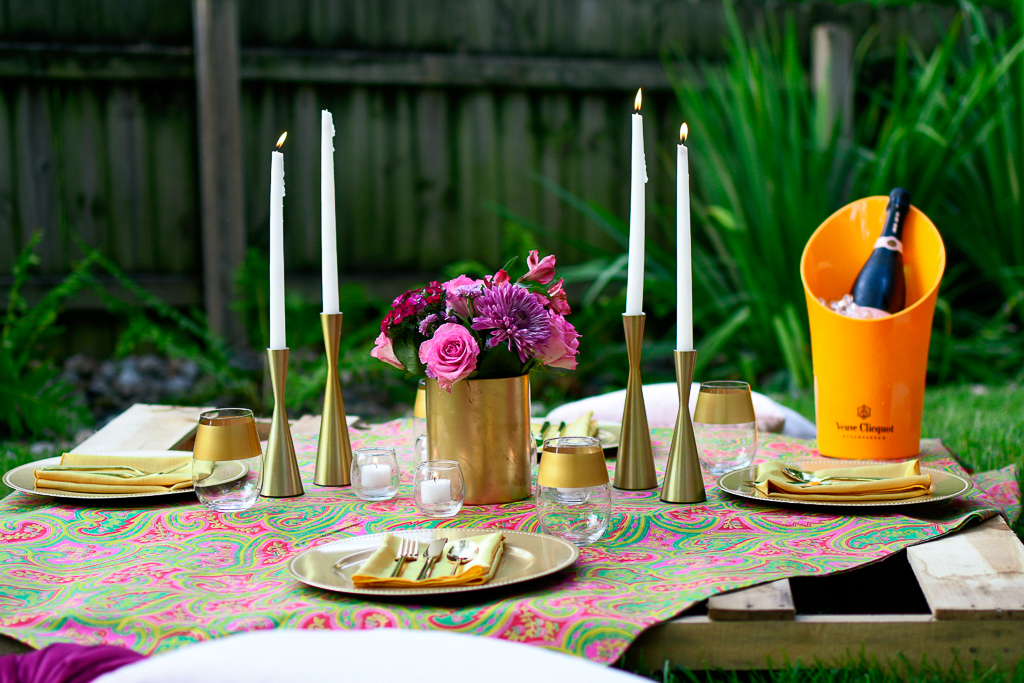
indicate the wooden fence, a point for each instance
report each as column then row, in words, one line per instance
column 143, row 127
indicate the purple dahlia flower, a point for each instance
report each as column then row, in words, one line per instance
column 516, row 317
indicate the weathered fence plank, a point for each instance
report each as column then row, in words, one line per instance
column 443, row 109
column 8, row 190
column 82, row 158
column 220, row 158
column 130, row 175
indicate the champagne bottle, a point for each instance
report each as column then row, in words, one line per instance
column 880, row 286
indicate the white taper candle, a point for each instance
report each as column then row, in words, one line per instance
column 277, row 248
column 684, row 269
column 328, row 224
column 637, row 213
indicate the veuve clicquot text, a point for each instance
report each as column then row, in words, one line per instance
column 880, row 285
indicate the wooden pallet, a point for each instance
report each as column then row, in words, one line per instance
column 959, row 598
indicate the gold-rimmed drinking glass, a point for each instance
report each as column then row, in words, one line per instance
column 227, row 461
column 574, row 495
column 724, row 426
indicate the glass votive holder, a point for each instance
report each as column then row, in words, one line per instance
column 419, row 424
column 227, row 461
column 375, row 473
column 438, row 488
column 574, row 495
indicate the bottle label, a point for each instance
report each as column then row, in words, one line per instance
column 890, row 243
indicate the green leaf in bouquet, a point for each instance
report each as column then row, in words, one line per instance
column 408, row 354
column 498, row 362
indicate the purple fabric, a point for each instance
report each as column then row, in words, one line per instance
column 65, row 663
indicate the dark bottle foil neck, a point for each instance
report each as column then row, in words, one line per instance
column 896, row 213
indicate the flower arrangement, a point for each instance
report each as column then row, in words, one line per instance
column 483, row 329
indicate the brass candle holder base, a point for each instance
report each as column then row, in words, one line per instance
column 280, row 468
column 634, row 466
column 333, row 451
column 684, row 482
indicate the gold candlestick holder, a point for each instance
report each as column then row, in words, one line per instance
column 334, row 450
column 281, row 470
column 684, row 482
column 634, row 466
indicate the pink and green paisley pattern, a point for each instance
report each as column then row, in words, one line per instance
column 155, row 577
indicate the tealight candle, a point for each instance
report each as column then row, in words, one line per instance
column 374, row 473
column 375, row 476
column 436, row 491
column 438, row 488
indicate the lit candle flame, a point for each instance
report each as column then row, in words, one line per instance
column 683, row 132
column 636, row 102
column 280, row 140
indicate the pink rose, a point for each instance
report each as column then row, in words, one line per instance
column 562, row 346
column 459, row 291
column 542, row 270
column 450, row 355
column 383, row 350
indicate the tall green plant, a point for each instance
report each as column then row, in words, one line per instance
column 34, row 400
column 984, row 212
column 764, row 181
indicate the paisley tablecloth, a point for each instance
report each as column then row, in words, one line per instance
column 156, row 577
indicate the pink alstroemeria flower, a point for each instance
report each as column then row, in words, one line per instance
column 500, row 278
column 384, row 350
column 542, row 270
column 558, row 301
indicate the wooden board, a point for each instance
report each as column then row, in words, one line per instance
column 976, row 574
column 766, row 602
column 145, row 427
column 892, row 640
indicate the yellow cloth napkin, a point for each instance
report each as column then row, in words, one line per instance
column 376, row 571
column 82, row 473
column 898, row 481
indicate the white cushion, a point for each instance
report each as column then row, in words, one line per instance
column 662, row 402
column 373, row 656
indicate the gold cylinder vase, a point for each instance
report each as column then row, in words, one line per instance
column 634, row 466
column 333, row 450
column 280, row 468
column 684, row 482
column 484, row 425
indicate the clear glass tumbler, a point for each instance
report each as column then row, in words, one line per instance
column 438, row 488
column 227, row 461
column 574, row 496
column 375, row 473
column 724, row 426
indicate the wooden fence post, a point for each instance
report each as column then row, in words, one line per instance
column 833, row 83
column 218, row 101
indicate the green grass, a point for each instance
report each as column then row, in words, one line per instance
column 902, row 672
column 983, row 425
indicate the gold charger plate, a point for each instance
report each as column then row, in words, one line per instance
column 22, row 479
column 945, row 485
column 526, row 556
column 607, row 432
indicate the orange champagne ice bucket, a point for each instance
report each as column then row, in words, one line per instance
column 869, row 374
